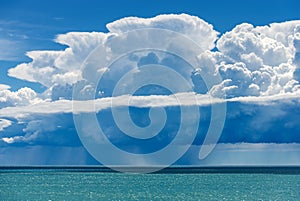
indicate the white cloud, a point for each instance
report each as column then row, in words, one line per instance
column 10, row 140
column 245, row 39
column 22, row 97
column 39, row 70
column 259, row 61
column 4, row 123
column 67, row 78
column 44, row 71
column 4, row 87
column 63, row 67
column 59, row 67
column 253, row 58
column 281, row 32
column 222, row 89
column 80, row 46
column 191, row 26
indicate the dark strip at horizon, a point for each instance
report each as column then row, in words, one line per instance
column 168, row 170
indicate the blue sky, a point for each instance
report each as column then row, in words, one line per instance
column 257, row 61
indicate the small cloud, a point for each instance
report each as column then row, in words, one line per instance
column 4, row 123
column 58, row 18
column 11, row 140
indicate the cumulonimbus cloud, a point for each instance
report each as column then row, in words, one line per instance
column 258, row 65
column 256, row 61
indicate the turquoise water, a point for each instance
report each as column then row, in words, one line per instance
column 51, row 185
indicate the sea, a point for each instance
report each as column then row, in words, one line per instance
column 83, row 184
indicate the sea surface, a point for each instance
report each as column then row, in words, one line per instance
column 83, row 185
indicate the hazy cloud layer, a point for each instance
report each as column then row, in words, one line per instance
column 224, row 154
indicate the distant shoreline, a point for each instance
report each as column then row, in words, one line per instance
column 168, row 170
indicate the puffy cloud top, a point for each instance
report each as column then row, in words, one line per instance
column 248, row 43
column 191, row 26
column 22, row 97
column 56, row 69
column 259, row 60
column 254, row 61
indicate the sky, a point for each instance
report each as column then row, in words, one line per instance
column 149, row 83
